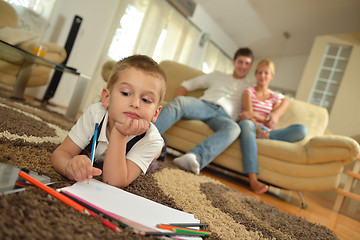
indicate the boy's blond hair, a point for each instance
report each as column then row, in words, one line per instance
column 142, row 63
column 266, row 63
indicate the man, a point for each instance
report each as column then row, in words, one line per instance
column 219, row 108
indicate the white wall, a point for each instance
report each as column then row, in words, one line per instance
column 202, row 20
column 88, row 44
column 288, row 71
column 88, row 50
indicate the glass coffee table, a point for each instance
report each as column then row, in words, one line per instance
column 13, row 54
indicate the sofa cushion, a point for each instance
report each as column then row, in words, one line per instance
column 315, row 118
column 176, row 73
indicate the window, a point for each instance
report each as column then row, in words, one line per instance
column 156, row 29
column 33, row 15
column 330, row 75
column 153, row 28
column 125, row 35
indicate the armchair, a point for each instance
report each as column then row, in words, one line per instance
column 9, row 32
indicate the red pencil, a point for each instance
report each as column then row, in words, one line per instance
column 64, row 199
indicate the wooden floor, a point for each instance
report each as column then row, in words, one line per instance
column 319, row 210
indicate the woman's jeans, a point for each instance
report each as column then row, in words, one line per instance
column 226, row 130
column 248, row 145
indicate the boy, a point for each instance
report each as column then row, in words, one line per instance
column 130, row 102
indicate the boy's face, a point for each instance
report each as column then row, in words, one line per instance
column 242, row 66
column 134, row 95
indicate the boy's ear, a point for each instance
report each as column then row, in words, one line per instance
column 157, row 112
column 105, row 95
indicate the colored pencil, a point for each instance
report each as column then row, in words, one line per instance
column 105, row 222
column 93, row 146
column 52, row 192
column 124, row 222
column 187, row 224
column 94, row 208
column 170, row 234
column 182, row 230
column 188, row 230
column 65, row 199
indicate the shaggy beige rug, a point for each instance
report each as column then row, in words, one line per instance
column 28, row 136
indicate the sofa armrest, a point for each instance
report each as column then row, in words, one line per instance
column 330, row 148
column 106, row 69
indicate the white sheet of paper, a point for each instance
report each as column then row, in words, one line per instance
column 128, row 205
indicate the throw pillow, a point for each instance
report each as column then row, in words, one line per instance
column 15, row 36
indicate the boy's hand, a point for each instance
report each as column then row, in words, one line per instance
column 80, row 169
column 132, row 126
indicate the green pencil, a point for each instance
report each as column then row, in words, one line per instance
column 200, row 233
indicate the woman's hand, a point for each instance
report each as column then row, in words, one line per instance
column 261, row 134
column 246, row 115
column 271, row 120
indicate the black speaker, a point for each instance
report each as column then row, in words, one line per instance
column 50, row 91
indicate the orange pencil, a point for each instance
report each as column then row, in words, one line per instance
column 64, row 199
column 172, row 228
column 52, row 192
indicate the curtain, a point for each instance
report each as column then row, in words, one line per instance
column 215, row 60
column 165, row 34
column 156, row 29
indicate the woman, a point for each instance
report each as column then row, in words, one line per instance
column 261, row 111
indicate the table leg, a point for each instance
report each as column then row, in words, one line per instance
column 22, row 80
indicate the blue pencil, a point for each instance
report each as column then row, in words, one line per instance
column 94, row 144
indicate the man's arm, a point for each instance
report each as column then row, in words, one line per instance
column 200, row 82
column 182, row 91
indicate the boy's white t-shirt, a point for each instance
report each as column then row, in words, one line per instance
column 142, row 153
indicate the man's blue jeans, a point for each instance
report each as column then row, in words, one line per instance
column 226, row 130
column 248, row 145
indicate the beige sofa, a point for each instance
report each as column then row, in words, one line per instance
column 10, row 67
column 314, row 164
